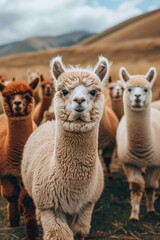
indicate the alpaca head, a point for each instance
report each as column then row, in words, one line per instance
column 32, row 75
column 115, row 89
column 18, row 98
column 47, row 87
column 79, row 101
column 138, row 94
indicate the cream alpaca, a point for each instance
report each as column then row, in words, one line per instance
column 61, row 169
column 138, row 137
column 116, row 93
column 15, row 128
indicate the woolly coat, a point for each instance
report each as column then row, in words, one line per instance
column 64, row 184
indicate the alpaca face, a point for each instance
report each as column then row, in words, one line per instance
column 138, row 94
column 138, row 97
column 82, row 104
column 116, row 90
column 19, row 104
column 47, row 88
column 18, row 98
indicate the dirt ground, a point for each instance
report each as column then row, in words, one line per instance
column 110, row 217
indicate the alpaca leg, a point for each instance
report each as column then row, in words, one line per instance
column 136, row 183
column 55, row 226
column 31, row 227
column 151, row 178
column 81, row 222
column 10, row 190
column 107, row 156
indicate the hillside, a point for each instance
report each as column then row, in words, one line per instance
column 43, row 43
column 140, row 27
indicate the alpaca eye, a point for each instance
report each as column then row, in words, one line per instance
column 64, row 92
column 93, row 92
column 146, row 89
column 28, row 98
column 129, row 89
column 7, row 98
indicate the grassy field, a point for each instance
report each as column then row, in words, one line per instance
column 110, row 217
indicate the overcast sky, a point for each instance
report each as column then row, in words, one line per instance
column 20, row 19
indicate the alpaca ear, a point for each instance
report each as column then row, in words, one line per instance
column 57, row 67
column 124, row 75
column 151, row 75
column 102, row 68
column 34, row 83
column 2, row 87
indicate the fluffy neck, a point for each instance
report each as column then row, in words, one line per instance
column 45, row 103
column 139, row 130
column 117, row 106
column 18, row 131
column 76, row 153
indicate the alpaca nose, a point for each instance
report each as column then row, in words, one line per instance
column 137, row 95
column 79, row 99
column 17, row 103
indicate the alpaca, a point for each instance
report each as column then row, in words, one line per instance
column 30, row 77
column 46, row 100
column 138, row 137
column 107, row 135
column 61, row 169
column 116, row 93
column 16, row 125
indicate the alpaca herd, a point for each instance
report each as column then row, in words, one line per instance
column 55, row 135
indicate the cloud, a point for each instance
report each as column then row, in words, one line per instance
column 21, row 19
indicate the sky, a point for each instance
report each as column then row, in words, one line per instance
column 21, row 19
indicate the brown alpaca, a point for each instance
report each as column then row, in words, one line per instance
column 116, row 93
column 47, row 89
column 30, row 77
column 16, row 125
column 107, row 135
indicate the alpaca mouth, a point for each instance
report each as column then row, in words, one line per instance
column 18, row 109
column 118, row 96
column 79, row 110
column 48, row 94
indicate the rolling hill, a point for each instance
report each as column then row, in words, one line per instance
column 43, row 43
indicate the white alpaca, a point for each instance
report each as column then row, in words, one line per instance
column 60, row 168
column 138, row 138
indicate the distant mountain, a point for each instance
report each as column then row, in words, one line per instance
column 43, row 43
